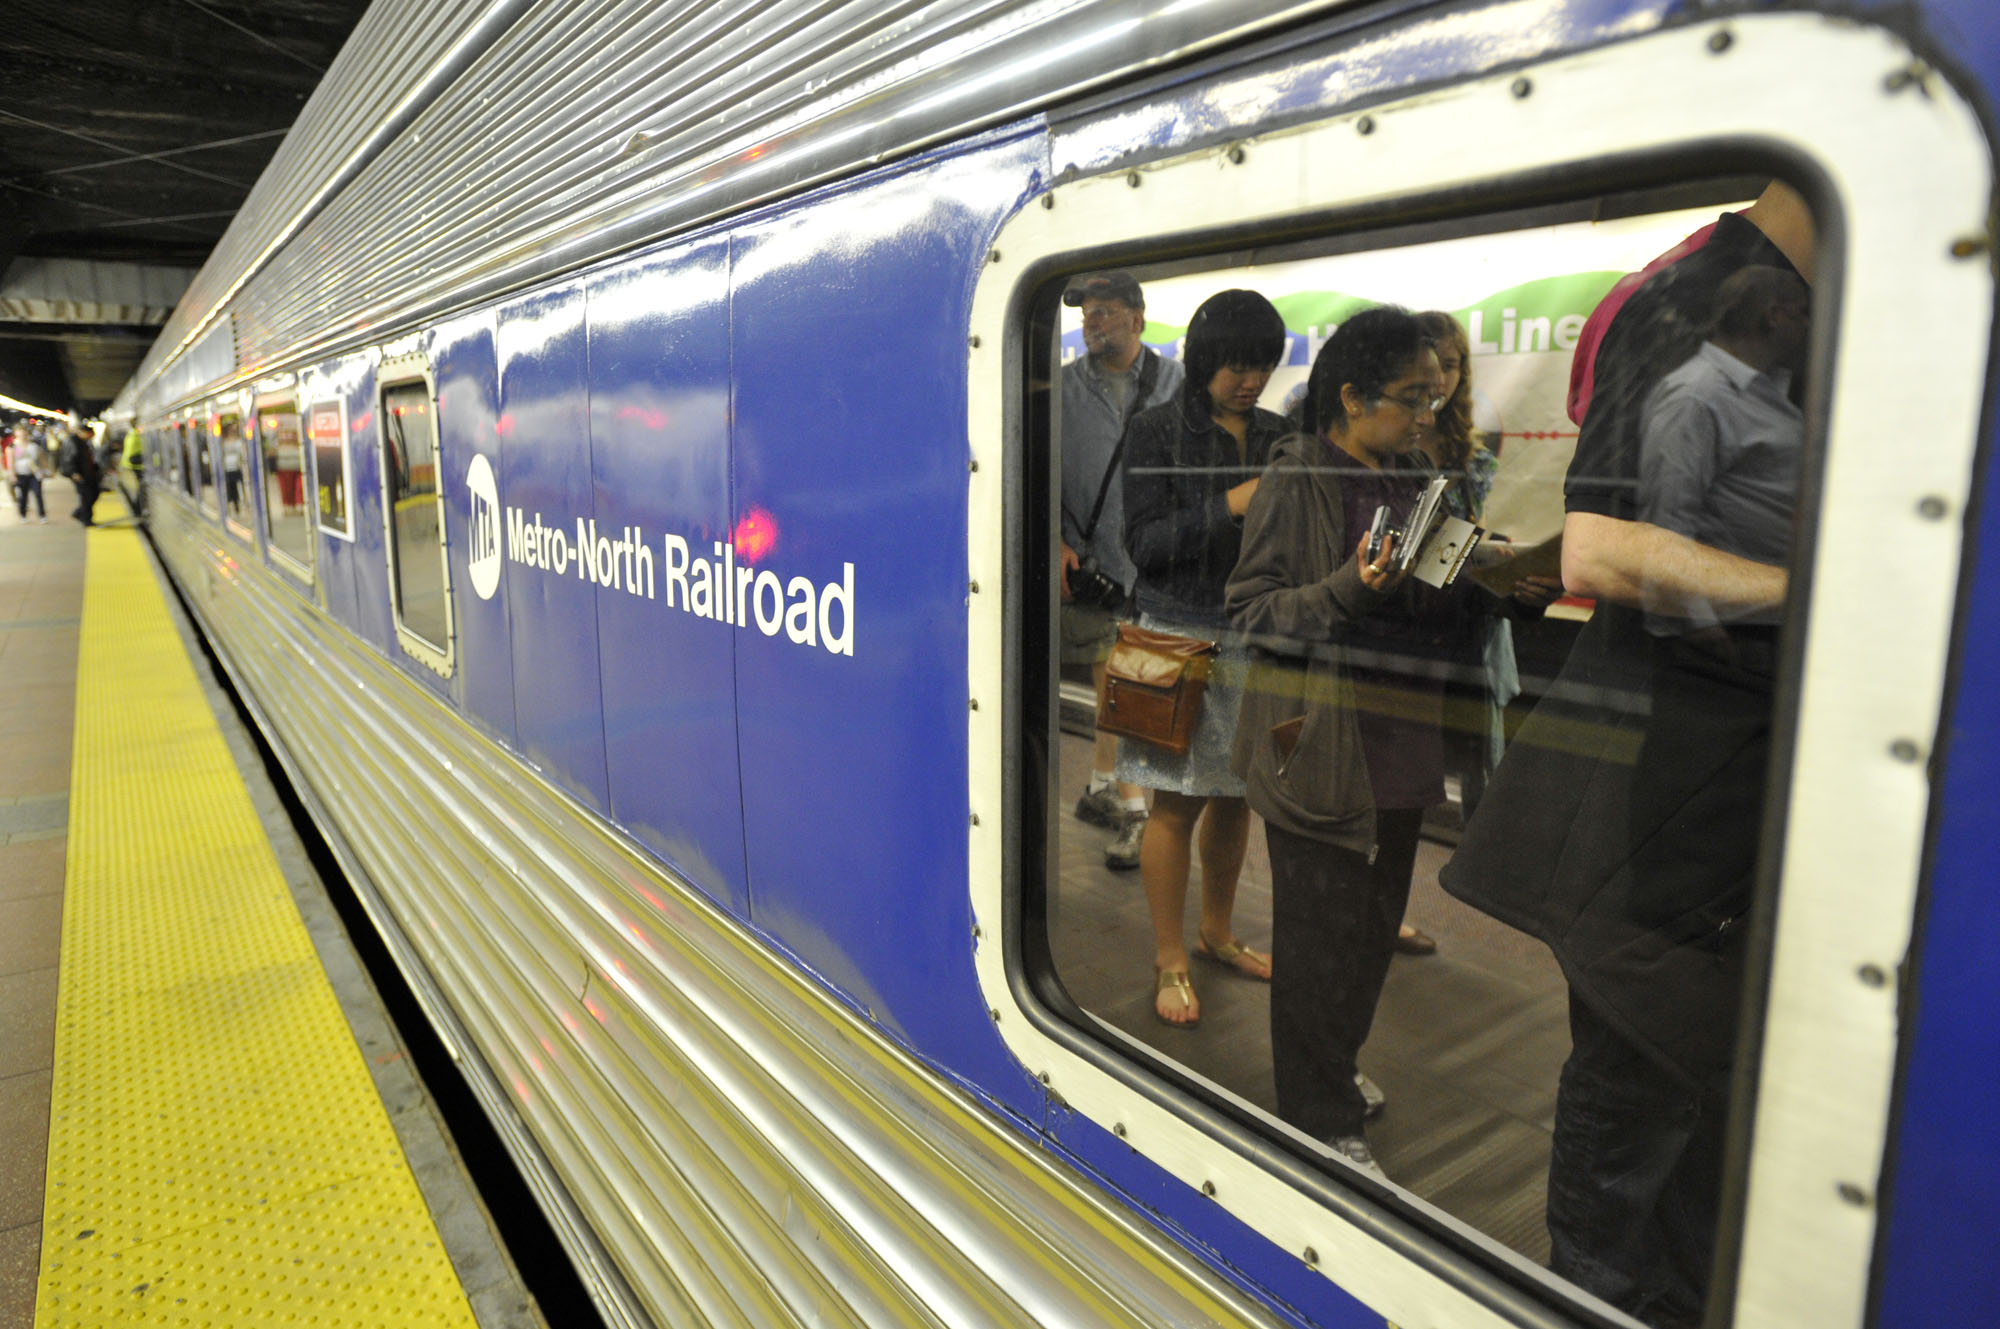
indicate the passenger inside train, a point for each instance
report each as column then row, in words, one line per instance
column 1554, row 764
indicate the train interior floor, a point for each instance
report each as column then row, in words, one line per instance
column 163, row 1172
column 1467, row 1043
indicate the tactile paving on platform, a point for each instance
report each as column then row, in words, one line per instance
column 217, row 1151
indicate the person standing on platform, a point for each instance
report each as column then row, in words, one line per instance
column 135, row 462
column 26, row 463
column 1340, row 742
column 1633, row 854
column 79, row 463
column 1191, row 467
column 1117, row 377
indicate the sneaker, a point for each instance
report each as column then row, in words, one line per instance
column 1371, row 1094
column 1354, row 1148
column 1102, row 807
column 1122, row 854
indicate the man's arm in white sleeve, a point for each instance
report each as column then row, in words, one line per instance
column 1649, row 567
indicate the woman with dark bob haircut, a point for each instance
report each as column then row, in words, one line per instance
column 1340, row 740
column 1191, row 466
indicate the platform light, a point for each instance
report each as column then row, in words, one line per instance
column 47, row 412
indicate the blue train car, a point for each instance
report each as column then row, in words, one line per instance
column 615, row 452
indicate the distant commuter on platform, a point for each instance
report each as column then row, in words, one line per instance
column 79, row 463
column 135, row 462
column 26, row 463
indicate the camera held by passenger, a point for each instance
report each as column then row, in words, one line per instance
column 1093, row 586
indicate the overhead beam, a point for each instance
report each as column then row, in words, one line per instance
column 74, row 290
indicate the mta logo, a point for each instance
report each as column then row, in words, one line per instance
column 482, row 527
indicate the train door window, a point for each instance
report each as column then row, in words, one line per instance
column 282, row 476
column 232, row 463
column 185, row 448
column 1350, row 719
column 1379, row 771
column 173, row 446
column 327, row 426
column 415, row 519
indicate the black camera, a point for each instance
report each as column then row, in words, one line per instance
column 1093, row 586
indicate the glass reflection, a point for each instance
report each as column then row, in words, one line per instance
column 229, row 458
column 409, row 476
column 329, row 444
column 204, row 467
column 283, row 477
column 1504, row 826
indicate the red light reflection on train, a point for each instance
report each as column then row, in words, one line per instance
column 756, row 532
column 653, row 420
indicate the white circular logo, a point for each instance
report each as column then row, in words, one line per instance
column 482, row 526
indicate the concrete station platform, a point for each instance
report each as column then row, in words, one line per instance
column 206, row 1118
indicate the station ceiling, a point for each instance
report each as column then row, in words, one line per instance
column 130, row 132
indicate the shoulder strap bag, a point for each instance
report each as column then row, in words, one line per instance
column 1152, row 689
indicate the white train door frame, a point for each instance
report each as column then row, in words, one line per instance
column 1897, row 181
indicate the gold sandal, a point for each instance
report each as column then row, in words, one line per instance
column 1175, row 980
column 1235, row 955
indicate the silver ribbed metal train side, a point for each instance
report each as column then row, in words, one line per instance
column 584, row 129
column 384, row 62
column 748, row 1151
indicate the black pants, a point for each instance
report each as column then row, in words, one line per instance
column 1334, row 917
column 86, row 498
column 1635, row 1176
column 25, row 485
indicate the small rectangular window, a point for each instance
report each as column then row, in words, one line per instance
column 184, row 459
column 329, row 451
column 415, row 522
column 283, row 477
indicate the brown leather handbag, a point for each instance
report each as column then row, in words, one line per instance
column 1152, row 687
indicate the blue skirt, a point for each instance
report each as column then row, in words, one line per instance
column 1204, row 772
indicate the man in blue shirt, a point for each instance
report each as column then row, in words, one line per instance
column 1719, row 445
column 1622, row 828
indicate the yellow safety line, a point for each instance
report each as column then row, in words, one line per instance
column 217, row 1152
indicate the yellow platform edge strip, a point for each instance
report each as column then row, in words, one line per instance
column 218, row 1154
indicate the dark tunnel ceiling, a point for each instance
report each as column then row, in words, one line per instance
column 130, row 131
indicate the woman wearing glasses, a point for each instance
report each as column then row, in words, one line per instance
column 1339, row 741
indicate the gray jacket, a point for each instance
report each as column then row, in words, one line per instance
column 1297, row 587
column 1091, row 426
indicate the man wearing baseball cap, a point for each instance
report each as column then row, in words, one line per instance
column 1117, row 377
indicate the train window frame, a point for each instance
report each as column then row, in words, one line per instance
column 1676, row 98
column 316, row 402
column 283, row 390
column 403, row 371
